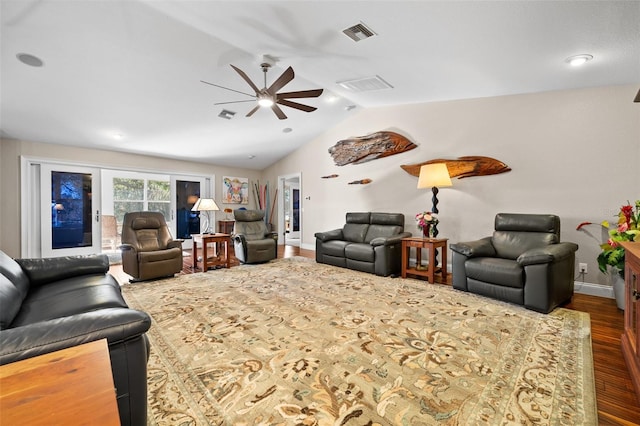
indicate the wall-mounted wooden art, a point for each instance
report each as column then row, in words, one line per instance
column 329, row 176
column 464, row 167
column 361, row 182
column 361, row 149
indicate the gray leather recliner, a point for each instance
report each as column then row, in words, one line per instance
column 252, row 241
column 148, row 249
column 524, row 262
column 368, row 242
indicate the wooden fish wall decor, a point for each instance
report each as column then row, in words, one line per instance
column 464, row 166
column 358, row 150
column 329, row 176
column 361, row 182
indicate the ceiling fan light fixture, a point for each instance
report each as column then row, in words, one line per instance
column 265, row 101
column 577, row 60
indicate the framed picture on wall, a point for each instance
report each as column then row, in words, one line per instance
column 235, row 190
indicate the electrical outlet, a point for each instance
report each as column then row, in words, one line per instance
column 583, row 268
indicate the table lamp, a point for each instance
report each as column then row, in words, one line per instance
column 205, row 205
column 434, row 176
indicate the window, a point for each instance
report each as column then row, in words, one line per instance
column 131, row 194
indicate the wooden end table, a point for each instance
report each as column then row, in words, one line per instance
column 431, row 244
column 218, row 240
column 72, row 386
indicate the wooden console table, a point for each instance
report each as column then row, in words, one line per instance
column 218, row 240
column 631, row 336
column 72, row 386
column 431, row 244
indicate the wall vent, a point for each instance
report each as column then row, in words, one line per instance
column 226, row 114
column 365, row 84
column 358, row 32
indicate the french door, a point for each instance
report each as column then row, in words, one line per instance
column 69, row 210
column 185, row 191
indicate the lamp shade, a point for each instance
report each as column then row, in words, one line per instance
column 434, row 175
column 637, row 99
column 205, row 204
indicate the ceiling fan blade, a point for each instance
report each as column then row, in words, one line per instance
column 305, row 108
column 246, row 78
column 276, row 109
column 234, row 102
column 226, row 88
column 282, row 81
column 301, row 94
column 250, row 113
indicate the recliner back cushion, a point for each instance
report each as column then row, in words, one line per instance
column 148, row 240
column 511, row 244
column 252, row 230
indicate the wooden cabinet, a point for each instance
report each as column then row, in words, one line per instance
column 226, row 226
column 631, row 335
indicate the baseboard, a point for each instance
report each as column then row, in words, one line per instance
column 308, row 246
column 593, row 289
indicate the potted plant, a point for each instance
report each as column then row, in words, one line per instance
column 611, row 258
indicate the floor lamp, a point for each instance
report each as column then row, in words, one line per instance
column 434, row 176
column 206, row 205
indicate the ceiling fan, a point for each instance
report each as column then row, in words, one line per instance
column 269, row 97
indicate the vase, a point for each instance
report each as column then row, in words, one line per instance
column 426, row 231
column 617, row 282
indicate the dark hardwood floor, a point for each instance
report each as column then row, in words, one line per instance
column 616, row 398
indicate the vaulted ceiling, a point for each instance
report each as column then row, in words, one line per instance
column 126, row 75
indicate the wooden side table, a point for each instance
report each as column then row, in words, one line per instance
column 72, row 386
column 431, row 244
column 221, row 244
column 226, row 226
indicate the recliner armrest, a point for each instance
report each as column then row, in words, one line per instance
column 335, row 234
column 547, row 254
column 387, row 241
column 477, row 248
column 114, row 324
column 175, row 244
column 126, row 247
column 46, row 270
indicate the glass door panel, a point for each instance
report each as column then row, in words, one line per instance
column 69, row 216
column 186, row 191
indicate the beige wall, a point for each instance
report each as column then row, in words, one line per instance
column 12, row 150
column 572, row 153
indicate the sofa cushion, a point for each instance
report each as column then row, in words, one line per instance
column 376, row 231
column 335, row 247
column 355, row 232
column 14, row 273
column 10, row 300
column 68, row 297
column 362, row 252
column 495, row 270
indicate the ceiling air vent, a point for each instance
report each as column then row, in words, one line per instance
column 365, row 84
column 358, row 32
column 225, row 113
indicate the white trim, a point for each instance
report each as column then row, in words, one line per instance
column 593, row 289
column 280, row 187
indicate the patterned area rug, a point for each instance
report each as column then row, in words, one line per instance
column 293, row 342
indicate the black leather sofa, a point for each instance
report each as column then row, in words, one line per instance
column 523, row 262
column 368, row 242
column 56, row 303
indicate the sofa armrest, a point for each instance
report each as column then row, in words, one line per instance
column 387, row 241
column 547, row 254
column 335, row 234
column 46, row 270
column 478, row 248
column 115, row 324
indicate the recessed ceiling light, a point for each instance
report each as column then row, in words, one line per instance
column 251, row 157
column 118, row 136
column 287, row 130
column 27, row 59
column 577, row 60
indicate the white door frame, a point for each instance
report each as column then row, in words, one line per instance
column 281, row 227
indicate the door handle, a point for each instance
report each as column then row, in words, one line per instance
column 97, row 215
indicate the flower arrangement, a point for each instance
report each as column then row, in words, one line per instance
column 626, row 229
column 424, row 220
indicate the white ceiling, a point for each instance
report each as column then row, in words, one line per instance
column 134, row 67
